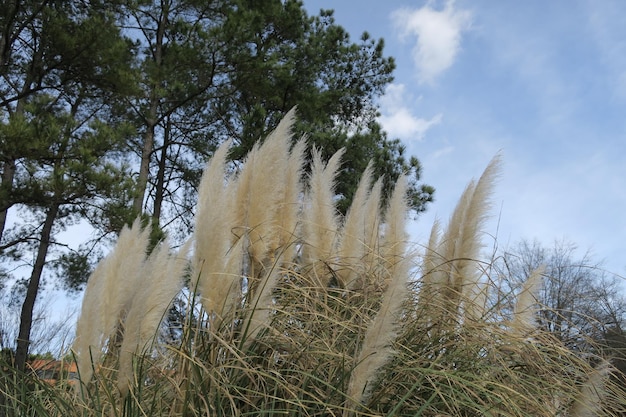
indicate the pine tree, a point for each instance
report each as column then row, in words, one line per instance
column 60, row 70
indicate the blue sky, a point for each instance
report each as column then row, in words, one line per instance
column 543, row 83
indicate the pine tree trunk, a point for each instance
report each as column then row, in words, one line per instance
column 151, row 119
column 8, row 172
column 5, row 45
column 26, row 316
column 144, row 167
column 160, row 179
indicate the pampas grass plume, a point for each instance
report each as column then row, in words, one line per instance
column 376, row 348
column 461, row 242
column 213, row 235
column 524, row 319
column 592, row 393
column 320, row 216
column 108, row 295
column 261, row 189
column 163, row 279
column 289, row 207
column 371, row 234
column 352, row 241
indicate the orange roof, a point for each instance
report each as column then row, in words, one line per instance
column 52, row 364
column 52, row 370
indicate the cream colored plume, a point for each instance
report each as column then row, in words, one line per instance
column 376, row 348
column 260, row 194
column 432, row 261
column 213, row 236
column 162, row 280
column 241, row 223
column 110, row 290
column 460, row 245
column 89, row 339
column 524, row 316
column 352, row 249
column 320, row 224
column 289, row 207
column 371, row 233
column 592, row 393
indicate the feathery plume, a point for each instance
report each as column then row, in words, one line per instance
column 433, row 278
column 108, row 296
column 163, row 279
column 431, row 259
column 460, row 244
column 320, row 218
column 525, row 310
column 213, row 235
column 289, row 206
column 476, row 215
column 89, row 329
column 261, row 189
column 372, row 215
column 351, row 247
column 128, row 257
column 592, row 393
column 376, row 347
column 371, row 233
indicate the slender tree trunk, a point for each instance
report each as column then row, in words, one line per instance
column 160, row 180
column 8, row 172
column 26, row 316
column 8, row 169
column 5, row 44
column 144, row 167
column 151, row 119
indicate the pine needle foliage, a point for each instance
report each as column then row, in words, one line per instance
column 292, row 309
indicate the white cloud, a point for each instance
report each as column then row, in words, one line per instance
column 438, row 35
column 397, row 119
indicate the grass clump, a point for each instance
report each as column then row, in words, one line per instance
column 291, row 309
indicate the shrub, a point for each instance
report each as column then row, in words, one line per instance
column 292, row 309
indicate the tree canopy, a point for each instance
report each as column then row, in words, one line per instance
column 110, row 110
column 231, row 70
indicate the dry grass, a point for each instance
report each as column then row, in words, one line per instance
column 293, row 310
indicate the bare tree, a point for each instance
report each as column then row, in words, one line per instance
column 578, row 301
column 48, row 334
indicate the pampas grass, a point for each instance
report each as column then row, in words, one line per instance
column 376, row 345
column 291, row 309
column 212, row 274
column 352, row 246
column 109, row 293
column 453, row 274
column 593, row 392
column 260, row 192
column 320, row 222
column 289, row 206
column 524, row 315
column 163, row 281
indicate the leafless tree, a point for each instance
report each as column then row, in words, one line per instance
column 578, row 301
column 50, row 334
